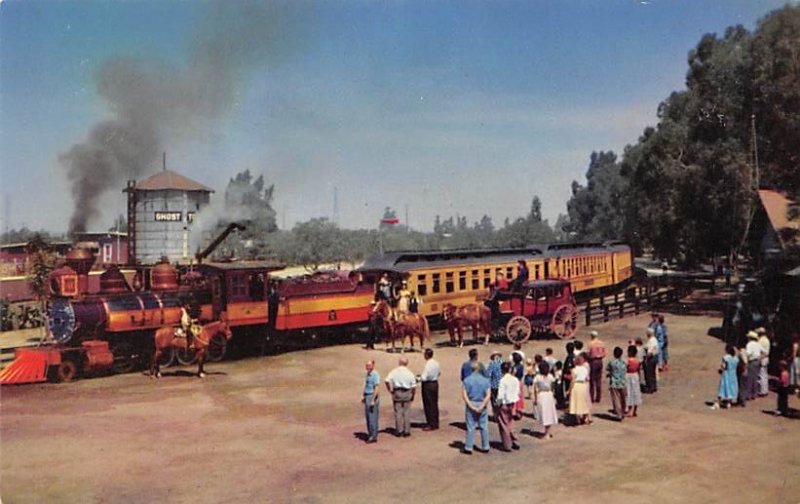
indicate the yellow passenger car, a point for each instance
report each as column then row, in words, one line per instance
column 466, row 276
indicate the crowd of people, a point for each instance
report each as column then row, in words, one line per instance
column 744, row 374
column 500, row 387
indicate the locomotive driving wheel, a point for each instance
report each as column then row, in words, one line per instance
column 125, row 357
column 518, row 329
column 217, row 348
column 565, row 321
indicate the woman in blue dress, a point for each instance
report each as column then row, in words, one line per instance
column 728, row 386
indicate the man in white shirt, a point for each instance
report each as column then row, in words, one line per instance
column 430, row 390
column 753, row 351
column 763, row 377
column 651, row 349
column 401, row 382
column 507, row 397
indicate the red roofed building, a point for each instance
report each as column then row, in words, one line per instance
column 161, row 210
column 773, row 231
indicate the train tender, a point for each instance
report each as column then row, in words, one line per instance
column 465, row 276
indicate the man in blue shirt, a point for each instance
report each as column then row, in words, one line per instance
column 476, row 393
column 372, row 401
column 466, row 368
column 494, row 374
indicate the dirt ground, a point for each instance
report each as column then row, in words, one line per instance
column 286, row 428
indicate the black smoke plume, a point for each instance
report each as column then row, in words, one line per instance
column 153, row 102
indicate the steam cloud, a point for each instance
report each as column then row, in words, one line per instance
column 152, row 101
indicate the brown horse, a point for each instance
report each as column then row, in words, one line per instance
column 399, row 325
column 478, row 316
column 165, row 338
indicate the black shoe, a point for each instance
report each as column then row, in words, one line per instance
column 504, row 450
column 481, row 450
column 370, row 441
column 515, row 446
column 466, row 452
column 406, row 434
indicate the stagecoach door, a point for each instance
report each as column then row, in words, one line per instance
column 216, row 297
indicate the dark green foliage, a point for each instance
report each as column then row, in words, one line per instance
column 686, row 188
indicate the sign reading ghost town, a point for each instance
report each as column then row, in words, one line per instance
column 169, row 216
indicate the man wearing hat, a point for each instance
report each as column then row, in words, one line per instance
column 597, row 352
column 753, row 351
column 763, row 377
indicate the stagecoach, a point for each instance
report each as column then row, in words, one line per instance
column 541, row 306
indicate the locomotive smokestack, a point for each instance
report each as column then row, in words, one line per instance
column 81, row 260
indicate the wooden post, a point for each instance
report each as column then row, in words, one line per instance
column 636, row 306
column 588, row 313
column 605, row 313
column 621, row 310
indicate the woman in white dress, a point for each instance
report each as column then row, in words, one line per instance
column 543, row 399
column 579, row 404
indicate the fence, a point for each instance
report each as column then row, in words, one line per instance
column 640, row 298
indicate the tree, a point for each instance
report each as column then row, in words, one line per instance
column 42, row 261
column 596, row 212
column 315, row 243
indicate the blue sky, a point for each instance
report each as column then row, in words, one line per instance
column 446, row 108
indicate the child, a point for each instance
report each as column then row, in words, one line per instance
column 529, row 373
column 783, row 389
column 560, row 396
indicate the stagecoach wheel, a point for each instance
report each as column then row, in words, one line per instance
column 124, row 357
column 186, row 357
column 216, row 348
column 518, row 329
column 565, row 321
column 167, row 357
column 64, row 372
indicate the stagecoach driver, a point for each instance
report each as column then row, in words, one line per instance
column 401, row 382
column 522, row 276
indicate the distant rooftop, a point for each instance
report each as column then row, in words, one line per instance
column 169, row 180
column 777, row 204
